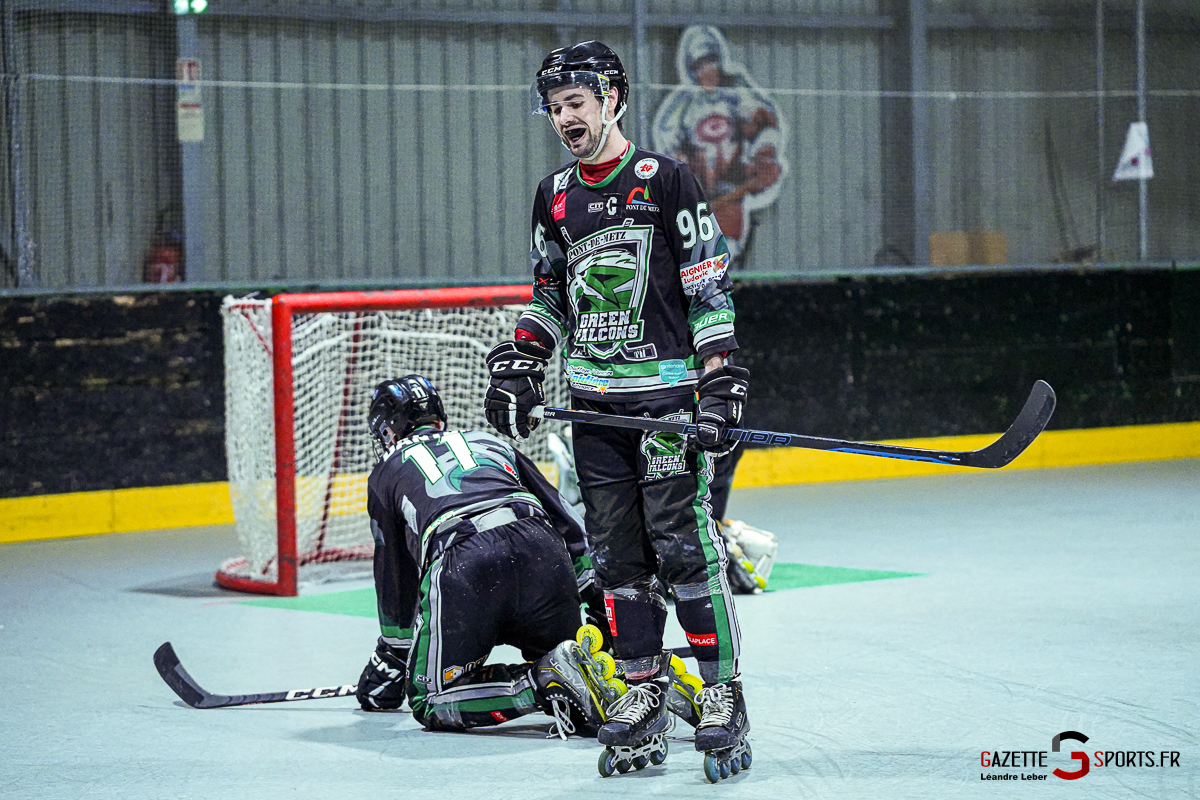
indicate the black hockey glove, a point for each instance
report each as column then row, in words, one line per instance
column 382, row 683
column 517, row 370
column 721, row 394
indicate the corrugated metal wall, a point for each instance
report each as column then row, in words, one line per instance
column 88, row 166
column 423, row 172
column 338, row 149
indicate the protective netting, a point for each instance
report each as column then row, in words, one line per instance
column 337, row 360
column 260, row 141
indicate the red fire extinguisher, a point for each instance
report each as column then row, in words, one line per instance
column 164, row 260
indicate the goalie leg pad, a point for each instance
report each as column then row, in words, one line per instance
column 757, row 545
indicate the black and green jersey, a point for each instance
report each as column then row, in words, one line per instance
column 630, row 278
column 422, row 497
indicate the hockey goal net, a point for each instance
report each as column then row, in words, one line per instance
column 299, row 371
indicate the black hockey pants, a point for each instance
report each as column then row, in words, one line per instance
column 646, row 501
column 513, row 585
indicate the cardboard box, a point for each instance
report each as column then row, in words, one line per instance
column 956, row 248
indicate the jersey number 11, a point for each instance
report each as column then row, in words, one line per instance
column 428, row 463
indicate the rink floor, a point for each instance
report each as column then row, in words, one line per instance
column 1037, row 602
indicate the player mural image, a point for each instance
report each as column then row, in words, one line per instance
column 728, row 132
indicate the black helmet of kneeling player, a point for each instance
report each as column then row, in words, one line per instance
column 592, row 64
column 400, row 406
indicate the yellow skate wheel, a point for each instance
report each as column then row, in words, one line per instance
column 618, row 685
column 692, row 682
column 608, row 667
column 677, row 666
column 589, row 636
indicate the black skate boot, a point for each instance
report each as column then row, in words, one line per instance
column 571, row 690
column 636, row 731
column 721, row 734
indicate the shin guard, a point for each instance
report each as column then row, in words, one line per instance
column 636, row 619
column 709, row 627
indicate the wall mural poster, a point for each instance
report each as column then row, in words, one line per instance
column 728, row 132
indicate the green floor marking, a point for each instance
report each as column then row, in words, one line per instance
column 799, row 576
column 352, row 603
column 361, row 602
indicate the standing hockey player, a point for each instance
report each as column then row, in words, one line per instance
column 473, row 548
column 630, row 280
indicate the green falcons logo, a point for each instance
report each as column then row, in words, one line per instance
column 665, row 452
column 606, row 294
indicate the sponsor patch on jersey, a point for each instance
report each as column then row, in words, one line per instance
column 586, row 378
column 561, row 180
column 639, row 200
column 451, row 673
column 646, row 169
column 672, row 371
column 595, row 207
column 559, row 207
column 702, row 640
column 695, row 276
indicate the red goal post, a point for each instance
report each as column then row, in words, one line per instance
column 299, row 369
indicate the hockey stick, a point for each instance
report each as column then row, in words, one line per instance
column 190, row 692
column 1028, row 424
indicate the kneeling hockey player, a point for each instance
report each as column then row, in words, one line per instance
column 473, row 548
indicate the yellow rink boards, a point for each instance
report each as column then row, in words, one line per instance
column 125, row 510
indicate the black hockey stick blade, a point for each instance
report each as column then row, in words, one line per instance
column 1028, row 425
column 190, row 692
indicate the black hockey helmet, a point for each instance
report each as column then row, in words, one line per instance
column 590, row 63
column 400, row 406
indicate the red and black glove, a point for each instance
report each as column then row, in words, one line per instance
column 516, row 371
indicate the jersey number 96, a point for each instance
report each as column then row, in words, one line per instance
column 687, row 225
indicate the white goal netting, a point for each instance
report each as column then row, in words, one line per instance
column 337, row 360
